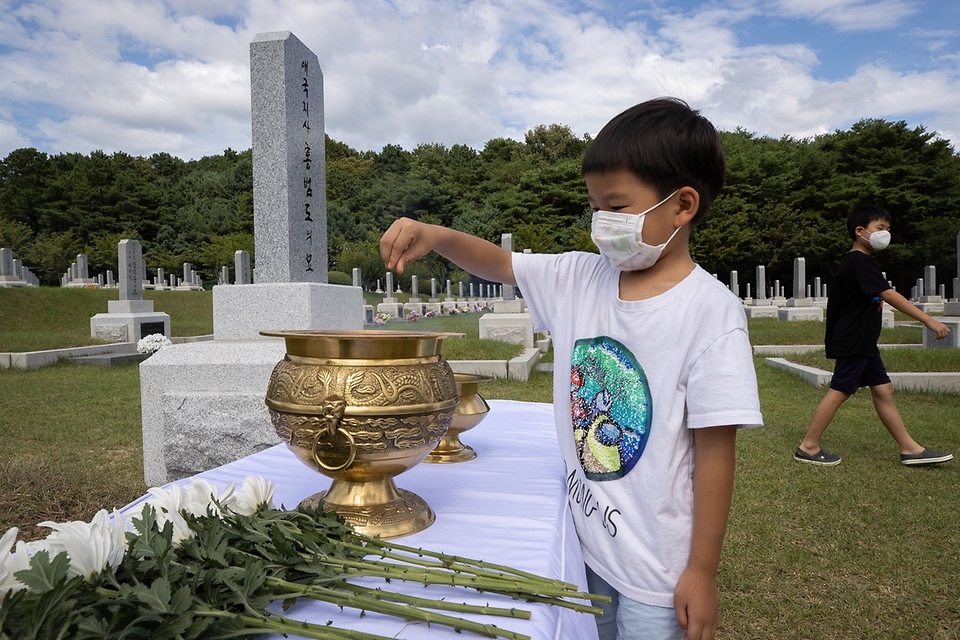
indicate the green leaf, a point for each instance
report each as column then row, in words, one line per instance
column 44, row 575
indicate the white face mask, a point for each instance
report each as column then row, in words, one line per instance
column 879, row 240
column 619, row 236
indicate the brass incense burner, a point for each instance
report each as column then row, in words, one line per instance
column 362, row 407
column 471, row 410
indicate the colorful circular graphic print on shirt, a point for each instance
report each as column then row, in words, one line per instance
column 611, row 407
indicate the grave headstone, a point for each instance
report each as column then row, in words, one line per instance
column 414, row 289
column 131, row 317
column 224, row 275
column 8, row 271
column 506, row 242
column 734, row 284
column 241, row 267
column 433, row 290
column 762, row 305
column 110, row 280
column 355, row 277
column 289, row 170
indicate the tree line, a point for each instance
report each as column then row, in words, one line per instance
column 783, row 198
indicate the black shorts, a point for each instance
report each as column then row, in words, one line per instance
column 852, row 372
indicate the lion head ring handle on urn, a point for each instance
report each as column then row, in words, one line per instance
column 362, row 407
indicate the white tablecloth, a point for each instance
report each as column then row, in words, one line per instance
column 507, row 506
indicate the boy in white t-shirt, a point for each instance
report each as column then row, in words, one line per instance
column 653, row 368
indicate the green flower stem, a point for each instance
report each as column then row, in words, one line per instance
column 407, row 612
column 276, row 623
column 461, row 567
column 509, row 586
column 447, row 559
column 444, row 605
column 558, row 602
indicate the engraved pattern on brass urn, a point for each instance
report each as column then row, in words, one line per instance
column 361, row 386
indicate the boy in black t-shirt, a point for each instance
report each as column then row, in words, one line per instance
column 853, row 327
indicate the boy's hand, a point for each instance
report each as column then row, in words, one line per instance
column 405, row 241
column 938, row 328
column 697, row 605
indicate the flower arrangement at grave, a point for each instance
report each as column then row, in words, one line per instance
column 197, row 562
column 152, row 343
column 453, row 311
column 464, row 309
column 430, row 314
column 381, row 318
column 413, row 316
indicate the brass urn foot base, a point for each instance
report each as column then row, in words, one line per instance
column 450, row 449
column 403, row 516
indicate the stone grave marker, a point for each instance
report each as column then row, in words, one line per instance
column 241, row 267
column 131, row 317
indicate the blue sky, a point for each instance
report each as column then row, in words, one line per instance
column 146, row 76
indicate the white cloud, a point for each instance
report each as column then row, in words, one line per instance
column 851, row 15
column 148, row 76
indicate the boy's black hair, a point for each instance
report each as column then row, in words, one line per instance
column 665, row 143
column 862, row 215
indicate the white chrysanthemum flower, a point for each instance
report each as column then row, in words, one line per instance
column 254, row 491
column 7, row 560
column 91, row 547
column 168, row 503
column 203, row 496
column 152, row 343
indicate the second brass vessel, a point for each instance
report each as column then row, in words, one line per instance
column 470, row 411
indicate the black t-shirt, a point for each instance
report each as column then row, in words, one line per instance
column 854, row 307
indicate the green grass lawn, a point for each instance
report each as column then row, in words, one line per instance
column 868, row 549
column 33, row 319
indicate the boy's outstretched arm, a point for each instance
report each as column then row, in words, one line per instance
column 695, row 598
column 407, row 240
column 903, row 305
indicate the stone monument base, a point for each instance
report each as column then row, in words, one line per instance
column 515, row 328
column 242, row 311
column 202, row 405
column 410, row 307
column 952, row 341
column 930, row 307
column 886, row 318
column 768, row 311
column 129, row 321
column 791, row 314
column 508, row 306
column 951, row 308
column 395, row 309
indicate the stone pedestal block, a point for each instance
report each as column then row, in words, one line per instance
column 395, row 309
column 952, row 341
column 241, row 312
column 886, row 318
column 764, row 311
column 202, row 405
column 129, row 321
column 508, row 306
column 791, row 314
column 515, row 328
column 413, row 306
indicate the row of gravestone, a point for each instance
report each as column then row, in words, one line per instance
column 13, row 273
column 78, row 275
column 926, row 294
